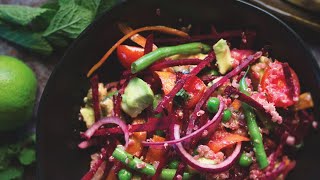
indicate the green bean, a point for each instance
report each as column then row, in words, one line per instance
column 133, row 162
column 160, row 53
column 168, row 174
column 254, row 132
column 123, row 174
column 213, row 104
column 226, row 115
column 245, row 160
column 174, row 164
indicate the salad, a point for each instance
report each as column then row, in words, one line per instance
column 203, row 107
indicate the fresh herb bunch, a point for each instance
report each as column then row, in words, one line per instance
column 51, row 26
column 15, row 157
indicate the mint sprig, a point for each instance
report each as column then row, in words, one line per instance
column 53, row 25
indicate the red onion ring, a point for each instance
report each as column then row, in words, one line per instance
column 214, row 122
column 217, row 168
column 108, row 120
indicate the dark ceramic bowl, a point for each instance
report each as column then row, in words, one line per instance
column 58, row 156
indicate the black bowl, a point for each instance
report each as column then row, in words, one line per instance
column 58, row 156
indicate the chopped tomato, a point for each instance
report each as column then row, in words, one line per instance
column 128, row 54
column 222, row 139
column 168, row 80
column 273, row 83
column 155, row 153
column 238, row 55
column 195, row 87
column 134, row 146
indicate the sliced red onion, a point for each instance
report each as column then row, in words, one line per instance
column 108, row 120
column 217, row 168
column 209, row 91
column 212, row 124
column 172, row 63
column 95, row 96
column 152, row 125
column 87, row 143
column 168, row 98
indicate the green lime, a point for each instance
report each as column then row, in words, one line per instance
column 17, row 93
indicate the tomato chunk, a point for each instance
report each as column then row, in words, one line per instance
column 222, row 139
column 273, row 83
column 128, row 54
column 168, row 80
column 239, row 54
column 195, row 87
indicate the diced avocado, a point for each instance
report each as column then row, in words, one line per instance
column 206, row 161
column 106, row 107
column 223, row 56
column 88, row 115
column 137, row 96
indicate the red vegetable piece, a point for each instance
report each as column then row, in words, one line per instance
column 238, row 55
column 274, row 84
column 222, row 139
column 195, row 88
column 128, row 54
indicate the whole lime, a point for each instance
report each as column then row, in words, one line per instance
column 18, row 87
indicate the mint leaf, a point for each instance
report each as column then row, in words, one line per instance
column 21, row 15
column 27, row 156
column 4, row 160
column 26, row 39
column 71, row 19
column 92, row 5
column 11, row 173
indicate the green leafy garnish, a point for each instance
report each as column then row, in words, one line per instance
column 26, row 39
column 14, row 157
column 181, row 97
column 11, row 173
column 54, row 24
column 21, row 15
column 27, row 156
column 70, row 20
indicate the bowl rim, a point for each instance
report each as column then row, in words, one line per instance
column 39, row 109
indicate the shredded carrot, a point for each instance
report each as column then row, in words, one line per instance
column 137, row 38
column 162, row 29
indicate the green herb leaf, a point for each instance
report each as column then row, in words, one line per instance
column 181, row 97
column 29, row 40
column 4, row 160
column 21, row 15
column 27, row 156
column 92, row 5
column 11, row 173
column 71, row 19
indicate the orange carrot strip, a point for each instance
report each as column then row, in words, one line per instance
column 162, row 29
